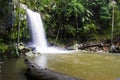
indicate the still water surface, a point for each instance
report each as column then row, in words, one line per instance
column 13, row 69
column 88, row 66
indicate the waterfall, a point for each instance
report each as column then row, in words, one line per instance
column 37, row 29
column 38, row 34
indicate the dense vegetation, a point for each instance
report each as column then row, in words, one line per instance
column 64, row 21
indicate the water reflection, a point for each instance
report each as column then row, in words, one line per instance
column 13, row 69
column 41, row 61
column 83, row 65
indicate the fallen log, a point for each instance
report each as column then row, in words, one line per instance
column 35, row 72
column 92, row 45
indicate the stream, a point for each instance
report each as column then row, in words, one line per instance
column 88, row 66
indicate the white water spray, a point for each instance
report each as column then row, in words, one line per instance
column 37, row 30
column 38, row 34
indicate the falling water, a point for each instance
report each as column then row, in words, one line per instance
column 38, row 34
column 37, row 30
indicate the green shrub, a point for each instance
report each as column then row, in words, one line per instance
column 3, row 49
column 8, row 51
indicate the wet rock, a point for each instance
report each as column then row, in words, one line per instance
column 114, row 49
column 76, row 46
column 32, row 48
column 22, row 48
column 27, row 51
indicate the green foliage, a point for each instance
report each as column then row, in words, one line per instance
column 13, row 51
column 104, row 14
column 78, row 18
column 63, row 19
column 89, row 27
column 8, row 30
column 3, row 48
column 7, row 50
column 70, row 30
column 117, row 23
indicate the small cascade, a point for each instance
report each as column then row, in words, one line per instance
column 38, row 34
column 37, row 29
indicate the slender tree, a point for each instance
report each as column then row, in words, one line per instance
column 112, row 4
